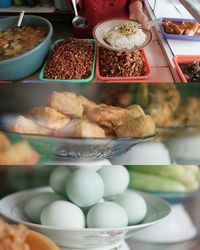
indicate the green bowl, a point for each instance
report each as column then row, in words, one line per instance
column 41, row 76
column 26, row 64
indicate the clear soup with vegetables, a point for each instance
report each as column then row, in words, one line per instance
column 17, row 41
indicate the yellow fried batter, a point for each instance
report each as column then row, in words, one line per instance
column 160, row 101
column 24, row 125
column 81, row 127
column 4, row 142
column 138, row 127
column 18, row 154
column 66, row 103
column 13, row 237
column 49, row 117
column 106, row 115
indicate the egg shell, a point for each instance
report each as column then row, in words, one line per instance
column 58, row 179
column 115, row 178
column 134, row 205
column 34, row 205
column 87, row 166
column 84, row 187
column 96, row 164
column 86, row 209
column 107, row 215
column 63, row 214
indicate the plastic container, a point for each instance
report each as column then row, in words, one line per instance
column 184, row 59
column 41, row 76
column 179, row 37
column 124, row 79
column 5, row 3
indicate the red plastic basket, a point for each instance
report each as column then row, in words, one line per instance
column 124, row 79
column 184, row 59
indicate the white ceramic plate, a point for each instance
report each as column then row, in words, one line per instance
column 108, row 25
column 12, row 208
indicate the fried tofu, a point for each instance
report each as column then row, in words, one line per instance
column 86, row 102
column 81, row 128
column 24, row 125
column 106, row 115
column 66, row 103
column 13, row 237
column 135, row 111
column 160, row 113
column 189, row 113
column 18, row 154
column 49, row 117
column 4, row 142
column 139, row 127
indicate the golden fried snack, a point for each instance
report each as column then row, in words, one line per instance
column 66, row 103
column 135, row 111
column 4, row 142
column 13, row 237
column 191, row 28
column 173, row 28
column 160, row 101
column 138, row 127
column 160, row 113
column 18, row 154
column 86, row 102
column 49, row 117
column 81, row 127
column 109, row 132
column 24, row 125
column 106, row 115
column 189, row 113
column 151, row 93
column 118, row 95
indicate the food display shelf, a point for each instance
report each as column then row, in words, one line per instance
column 170, row 47
column 159, row 67
column 35, row 9
column 160, row 52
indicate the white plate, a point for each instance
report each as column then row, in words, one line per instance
column 12, row 208
column 108, row 25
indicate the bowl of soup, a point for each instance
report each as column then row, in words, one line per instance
column 23, row 50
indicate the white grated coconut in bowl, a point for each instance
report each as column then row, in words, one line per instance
column 126, row 37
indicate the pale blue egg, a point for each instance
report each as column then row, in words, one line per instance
column 58, row 179
column 107, row 215
column 115, row 178
column 63, row 214
column 134, row 205
column 34, row 205
column 84, row 187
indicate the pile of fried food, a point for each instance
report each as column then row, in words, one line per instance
column 163, row 103
column 70, row 59
column 68, row 115
column 13, row 237
column 121, row 64
column 19, row 153
column 181, row 28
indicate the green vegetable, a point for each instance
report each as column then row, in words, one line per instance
column 187, row 175
column 147, row 182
